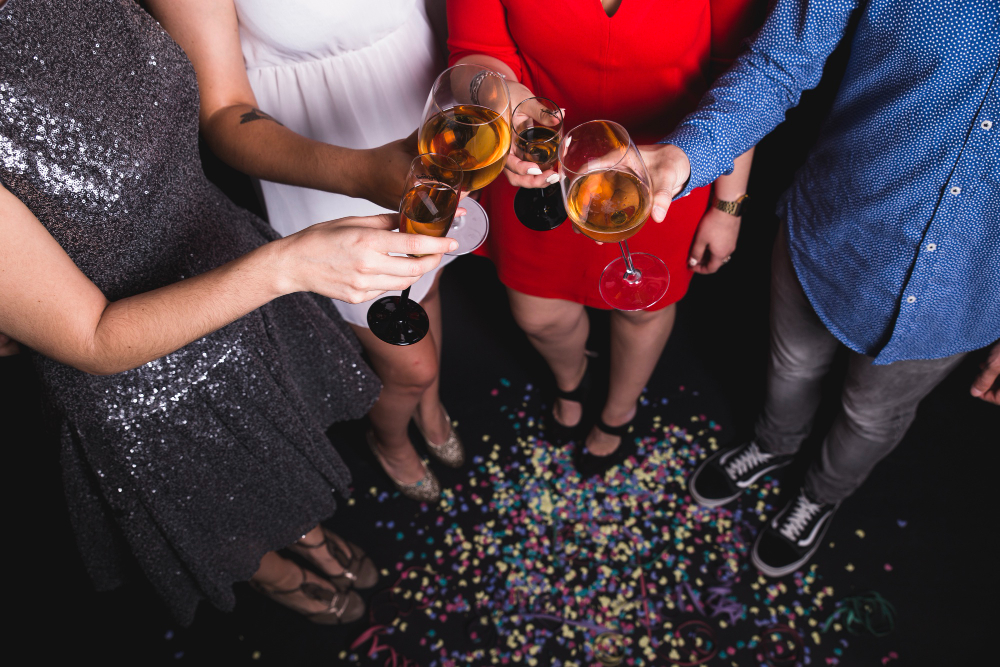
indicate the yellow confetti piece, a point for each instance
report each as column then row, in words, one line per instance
column 860, row 533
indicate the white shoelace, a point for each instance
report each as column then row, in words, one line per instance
column 800, row 515
column 748, row 460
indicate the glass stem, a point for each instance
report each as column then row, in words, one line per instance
column 631, row 274
column 404, row 301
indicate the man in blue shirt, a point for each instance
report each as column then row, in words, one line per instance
column 891, row 241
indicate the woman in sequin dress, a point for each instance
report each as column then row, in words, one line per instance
column 193, row 378
column 345, row 84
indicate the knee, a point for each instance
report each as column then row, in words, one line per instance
column 415, row 375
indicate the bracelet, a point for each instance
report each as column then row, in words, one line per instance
column 477, row 81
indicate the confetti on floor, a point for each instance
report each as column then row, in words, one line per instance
column 525, row 563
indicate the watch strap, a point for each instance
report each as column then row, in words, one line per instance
column 731, row 207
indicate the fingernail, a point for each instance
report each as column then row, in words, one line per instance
column 692, row 262
column 554, row 178
column 659, row 213
column 453, row 246
column 535, row 171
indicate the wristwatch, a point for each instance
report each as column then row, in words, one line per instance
column 731, row 207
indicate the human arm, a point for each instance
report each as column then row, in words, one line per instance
column 715, row 238
column 751, row 98
column 478, row 35
column 49, row 305
column 249, row 139
column 987, row 384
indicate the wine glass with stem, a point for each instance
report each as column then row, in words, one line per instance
column 467, row 118
column 537, row 127
column 430, row 199
column 607, row 193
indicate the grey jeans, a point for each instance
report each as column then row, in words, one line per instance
column 878, row 403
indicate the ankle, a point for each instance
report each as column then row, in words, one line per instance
column 614, row 416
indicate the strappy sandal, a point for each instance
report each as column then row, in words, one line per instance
column 341, row 607
column 359, row 571
column 427, row 489
column 558, row 431
column 592, row 465
column 451, row 453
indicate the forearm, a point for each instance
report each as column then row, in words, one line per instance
column 144, row 327
column 253, row 142
column 751, row 99
column 732, row 186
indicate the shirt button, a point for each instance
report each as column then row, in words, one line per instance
column 911, row 299
column 955, row 190
column 931, row 247
column 986, row 124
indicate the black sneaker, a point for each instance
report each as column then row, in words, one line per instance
column 792, row 537
column 726, row 474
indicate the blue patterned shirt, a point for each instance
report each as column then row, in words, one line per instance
column 894, row 220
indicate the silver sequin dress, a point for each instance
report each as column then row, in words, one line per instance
column 199, row 462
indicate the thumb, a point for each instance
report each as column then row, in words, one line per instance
column 661, row 202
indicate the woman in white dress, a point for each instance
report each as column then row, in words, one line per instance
column 313, row 97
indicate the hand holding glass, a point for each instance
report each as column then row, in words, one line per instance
column 537, row 124
column 606, row 189
column 467, row 118
column 430, row 199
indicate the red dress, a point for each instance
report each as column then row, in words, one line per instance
column 646, row 68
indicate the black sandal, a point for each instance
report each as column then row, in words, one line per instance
column 560, row 432
column 592, row 465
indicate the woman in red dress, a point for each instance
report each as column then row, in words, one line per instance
column 641, row 63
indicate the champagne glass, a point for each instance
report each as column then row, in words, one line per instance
column 537, row 125
column 430, row 199
column 607, row 192
column 467, row 118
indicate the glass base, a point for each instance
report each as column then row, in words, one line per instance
column 622, row 294
column 540, row 209
column 471, row 229
column 395, row 327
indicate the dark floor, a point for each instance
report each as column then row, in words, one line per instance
column 915, row 533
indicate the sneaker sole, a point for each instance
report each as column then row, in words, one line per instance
column 718, row 502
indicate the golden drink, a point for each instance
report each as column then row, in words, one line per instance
column 475, row 137
column 428, row 209
column 537, row 144
column 609, row 206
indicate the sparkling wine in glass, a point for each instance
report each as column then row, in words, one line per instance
column 607, row 194
column 467, row 118
column 430, row 199
column 537, row 125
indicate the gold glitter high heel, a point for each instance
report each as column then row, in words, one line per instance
column 359, row 571
column 426, row 490
column 451, row 453
column 341, row 607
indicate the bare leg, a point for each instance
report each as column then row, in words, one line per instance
column 406, row 373
column 637, row 340
column 430, row 412
column 558, row 330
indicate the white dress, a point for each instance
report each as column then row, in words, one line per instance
column 348, row 73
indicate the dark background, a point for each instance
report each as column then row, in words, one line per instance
column 938, row 477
